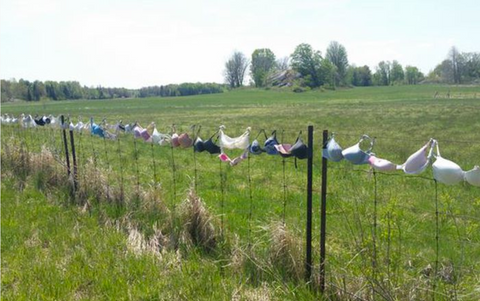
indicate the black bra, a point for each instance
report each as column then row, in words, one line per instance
column 40, row 121
column 209, row 145
column 299, row 150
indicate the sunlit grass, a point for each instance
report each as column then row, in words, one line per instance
column 402, row 119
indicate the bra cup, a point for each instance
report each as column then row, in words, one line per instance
column 417, row 162
column 144, row 134
column 255, row 148
column 355, row 155
column 473, row 176
column 155, row 136
column 174, row 141
column 381, row 164
column 241, row 142
column 184, row 140
column 198, row 145
column 211, row 147
column 299, row 150
column 284, row 150
column 137, row 132
column 333, row 151
column 447, row 172
column 270, row 145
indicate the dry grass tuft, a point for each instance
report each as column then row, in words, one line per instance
column 152, row 200
column 285, row 251
column 139, row 245
column 260, row 293
column 93, row 184
column 49, row 171
column 198, row 227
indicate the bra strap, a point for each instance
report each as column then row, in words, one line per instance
column 261, row 131
column 432, row 146
column 216, row 133
column 298, row 137
column 372, row 142
column 198, row 131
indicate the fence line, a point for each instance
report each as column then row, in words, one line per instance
column 223, row 188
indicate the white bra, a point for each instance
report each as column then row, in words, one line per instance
column 449, row 173
column 240, row 142
column 159, row 138
column 446, row 171
column 419, row 161
column 473, row 176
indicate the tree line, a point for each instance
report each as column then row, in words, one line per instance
column 70, row 90
column 307, row 67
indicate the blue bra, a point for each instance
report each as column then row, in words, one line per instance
column 332, row 151
column 270, row 144
column 356, row 155
column 254, row 147
column 96, row 129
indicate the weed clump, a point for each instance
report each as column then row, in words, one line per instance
column 198, row 226
column 285, row 251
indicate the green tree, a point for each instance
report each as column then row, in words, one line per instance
column 38, row 90
column 6, row 91
column 235, row 69
column 337, row 55
column 308, row 62
column 470, row 66
column 382, row 74
column 263, row 62
column 360, row 76
column 397, row 75
column 412, row 75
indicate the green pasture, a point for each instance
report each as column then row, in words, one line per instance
column 393, row 260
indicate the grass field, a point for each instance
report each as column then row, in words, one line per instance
column 395, row 260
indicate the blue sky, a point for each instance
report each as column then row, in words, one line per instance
column 135, row 43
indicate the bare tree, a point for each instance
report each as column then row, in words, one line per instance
column 235, row 69
column 454, row 57
column 283, row 63
column 337, row 55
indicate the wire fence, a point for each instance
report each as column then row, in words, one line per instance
column 386, row 236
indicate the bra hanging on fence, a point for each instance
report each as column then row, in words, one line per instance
column 95, row 129
column 446, row 171
column 139, row 132
column 473, row 176
column 419, row 161
column 240, row 142
column 254, row 147
column 381, row 164
column 332, row 151
column 39, row 121
column 270, row 143
column 356, row 155
column 159, row 138
column 298, row 150
column 208, row 145
column 225, row 158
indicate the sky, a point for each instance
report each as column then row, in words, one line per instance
column 138, row 43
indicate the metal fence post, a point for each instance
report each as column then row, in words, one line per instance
column 308, row 258
column 64, row 135
column 323, row 215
